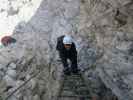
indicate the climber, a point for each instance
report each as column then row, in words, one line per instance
column 67, row 50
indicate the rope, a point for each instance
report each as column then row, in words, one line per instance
column 23, row 84
column 35, row 75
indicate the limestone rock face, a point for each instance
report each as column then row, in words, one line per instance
column 102, row 30
column 29, row 69
column 110, row 21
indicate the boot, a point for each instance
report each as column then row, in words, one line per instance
column 75, row 71
column 66, row 71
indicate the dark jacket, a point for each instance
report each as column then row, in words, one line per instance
column 62, row 51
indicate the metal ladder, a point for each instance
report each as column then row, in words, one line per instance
column 73, row 87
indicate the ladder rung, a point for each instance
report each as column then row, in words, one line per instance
column 76, row 88
column 74, row 92
column 76, row 96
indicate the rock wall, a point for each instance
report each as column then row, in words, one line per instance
column 109, row 24
column 29, row 69
column 103, row 33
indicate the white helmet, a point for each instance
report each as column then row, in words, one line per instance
column 67, row 40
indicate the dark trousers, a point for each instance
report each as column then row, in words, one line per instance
column 73, row 62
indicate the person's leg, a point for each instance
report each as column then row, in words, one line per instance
column 74, row 66
column 65, row 65
column 64, row 62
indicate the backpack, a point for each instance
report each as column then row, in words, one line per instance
column 59, row 42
